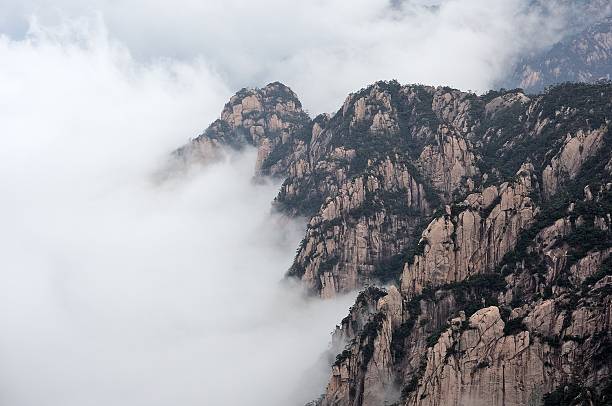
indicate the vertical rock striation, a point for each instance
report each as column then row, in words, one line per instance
column 271, row 119
column 487, row 217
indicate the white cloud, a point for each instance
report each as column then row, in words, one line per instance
column 324, row 49
column 118, row 290
column 115, row 289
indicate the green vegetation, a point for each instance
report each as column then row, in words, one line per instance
column 296, row 270
column 390, row 269
column 473, row 293
column 306, row 204
column 411, row 386
column 556, row 208
column 563, row 396
column 590, row 104
column 604, row 270
column 584, row 239
column 505, row 135
column 340, row 358
column 328, row 264
column 399, row 336
column 433, row 338
column 483, row 364
column 572, row 393
column 509, row 128
column 398, row 339
column 370, row 294
column 514, row 326
column 413, row 383
column 502, row 142
column 367, row 337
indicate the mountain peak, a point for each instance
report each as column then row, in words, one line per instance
column 267, row 118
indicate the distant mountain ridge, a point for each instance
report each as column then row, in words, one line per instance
column 584, row 57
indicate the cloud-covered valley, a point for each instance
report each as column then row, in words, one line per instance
column 118, row 288
column 121, row 287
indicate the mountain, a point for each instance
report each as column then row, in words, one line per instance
column 584, row 57
column 270, row 119
column 486, row 217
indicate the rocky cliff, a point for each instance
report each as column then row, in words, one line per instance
column 270, row 119
column 532, row 327
column 506, row 298
column 486, row 217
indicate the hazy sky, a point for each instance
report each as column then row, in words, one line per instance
column 118, row 289
column 321, row 48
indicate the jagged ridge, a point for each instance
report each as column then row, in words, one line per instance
column 490, row 211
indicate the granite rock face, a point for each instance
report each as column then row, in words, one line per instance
column 504, row 298
column 375, row 170
column 566, row 164
column 271, row 119
column 472, row 242
column 348, row 237
column 485, row 221
column 533, row 327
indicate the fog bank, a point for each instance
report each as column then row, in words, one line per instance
column 121, row 290
column 324, row 49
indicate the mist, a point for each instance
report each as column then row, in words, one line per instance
column 121, row 289
column 323, row 49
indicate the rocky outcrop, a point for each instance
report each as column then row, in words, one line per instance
column 506, row 297
column 567, row 163
column 368, row 177
column 366, row 376
column 502, row 103
column 541, row 347
column 375, row 170
column 478, row 364
column 488, row 219
column 358, row 228
column 474, row 241
column 458, row 110
column 514, row 339
column 448, row 163
column 270, row 119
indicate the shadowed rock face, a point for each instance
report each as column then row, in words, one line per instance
column 489, row 216
column 584, row 57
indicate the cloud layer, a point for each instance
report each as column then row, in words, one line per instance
column 118, row 289
column 324, row 49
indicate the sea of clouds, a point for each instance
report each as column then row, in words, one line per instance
column 324, row 49
column 119, row 286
